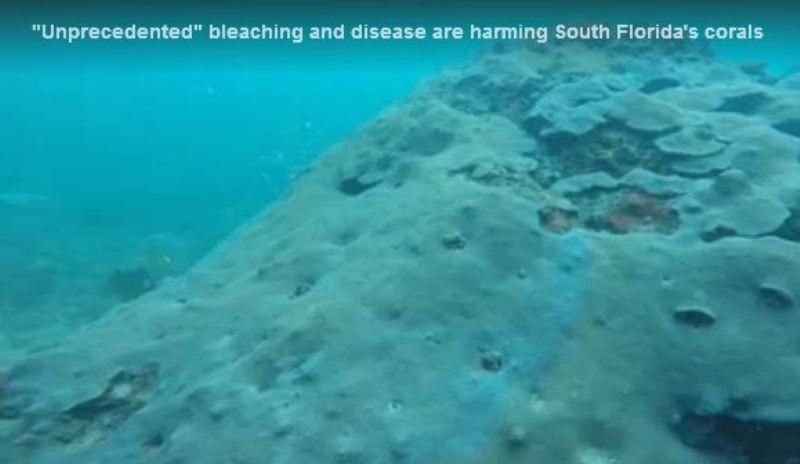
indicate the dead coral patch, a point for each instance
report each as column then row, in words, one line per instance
column 558, row 220
column 626, row 211
column 518, row 175
column 618, row 211
column 610, row 148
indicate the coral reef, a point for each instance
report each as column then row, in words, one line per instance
column 562, row 254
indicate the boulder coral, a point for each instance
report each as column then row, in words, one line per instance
column 553, row 254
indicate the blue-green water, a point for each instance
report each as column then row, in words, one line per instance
column 146, row 155
column 138, row 159
column 581, row 254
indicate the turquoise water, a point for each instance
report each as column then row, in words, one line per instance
column 146, row 155
column 147, row 160
column 585, row 255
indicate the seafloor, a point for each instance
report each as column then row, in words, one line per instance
column 570, row 254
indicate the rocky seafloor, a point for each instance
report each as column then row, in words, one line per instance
column 567, row 254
